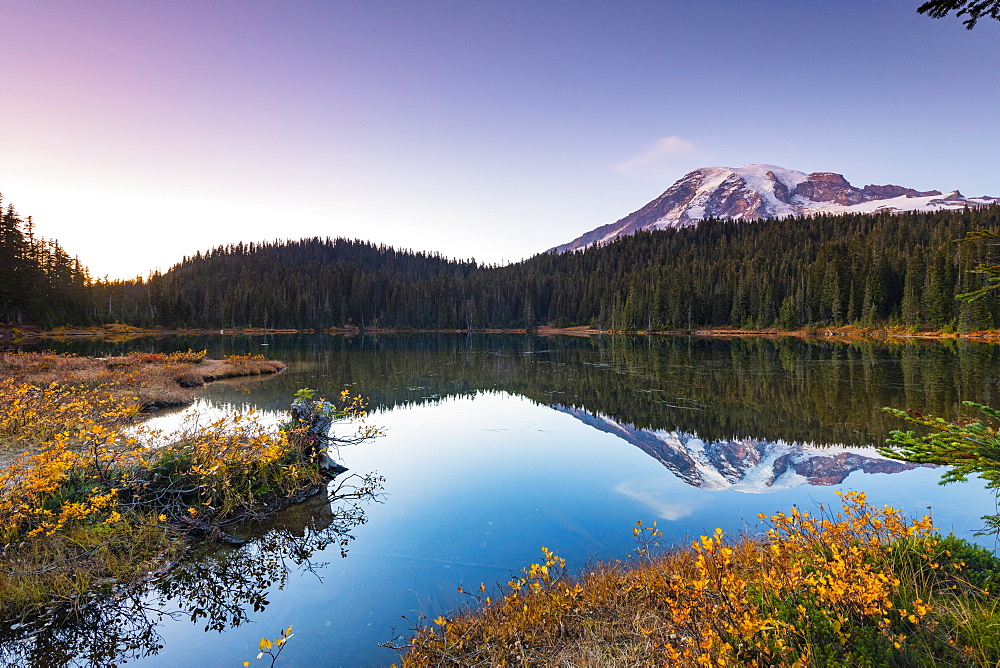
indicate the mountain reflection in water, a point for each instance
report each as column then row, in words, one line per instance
column 749, row 465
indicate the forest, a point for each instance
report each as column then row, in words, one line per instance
column 39, row 281
column 868, row 270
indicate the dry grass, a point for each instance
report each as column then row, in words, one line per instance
column 152, row 379
column 66, row 569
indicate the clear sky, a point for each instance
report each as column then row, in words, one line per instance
column 138, row 131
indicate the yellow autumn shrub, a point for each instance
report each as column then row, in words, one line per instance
column 825, row 589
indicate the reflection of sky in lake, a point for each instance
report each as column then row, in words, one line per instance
column 474, row 487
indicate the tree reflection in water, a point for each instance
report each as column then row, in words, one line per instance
column 216, row 588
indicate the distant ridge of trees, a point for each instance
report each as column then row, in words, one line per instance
column 866, row 269
column 315, row 282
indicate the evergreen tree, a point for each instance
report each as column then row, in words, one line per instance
column 912, row 289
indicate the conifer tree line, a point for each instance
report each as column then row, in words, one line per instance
column 868, row 270
column 39, row 282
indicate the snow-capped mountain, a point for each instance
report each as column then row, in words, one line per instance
column 750, row 465
column 752, row 192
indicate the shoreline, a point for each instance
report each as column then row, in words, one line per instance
column 846, row 333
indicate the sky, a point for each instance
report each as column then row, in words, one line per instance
column 140, row 131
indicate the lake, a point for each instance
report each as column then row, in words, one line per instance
column 497, row 445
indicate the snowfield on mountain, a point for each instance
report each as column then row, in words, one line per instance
column 753, row 192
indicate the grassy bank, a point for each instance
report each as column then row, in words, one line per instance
column 88, row 502
column 138, row 380
column 859, row 587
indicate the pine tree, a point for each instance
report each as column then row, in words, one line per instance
column 912, row 288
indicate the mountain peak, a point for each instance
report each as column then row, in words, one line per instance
column 757, row 191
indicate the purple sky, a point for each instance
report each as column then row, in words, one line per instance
column 136, row 132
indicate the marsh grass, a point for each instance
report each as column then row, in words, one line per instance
column 145, row 380
column 68, row 569
column 862, row 586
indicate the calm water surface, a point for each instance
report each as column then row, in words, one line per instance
column 498, row 445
